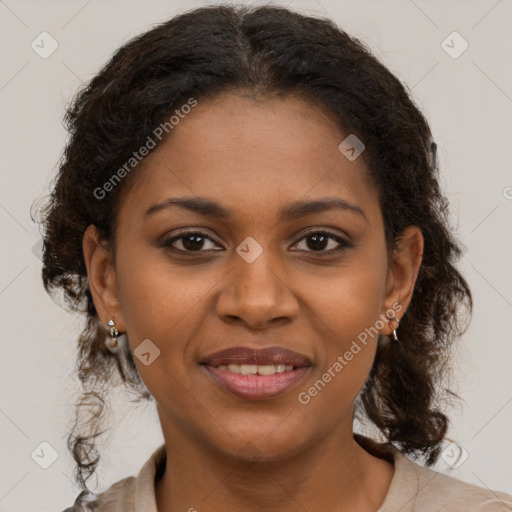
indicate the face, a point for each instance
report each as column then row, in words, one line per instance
column 266, row 273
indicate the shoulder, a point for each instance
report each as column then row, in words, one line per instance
column 416, row 488
column 118, row 497
column 129, row 494
column 441, row 492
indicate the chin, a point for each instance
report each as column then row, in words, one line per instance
column 261, row 445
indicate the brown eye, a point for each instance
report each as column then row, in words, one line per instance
column 318, row 241
column 191, row 241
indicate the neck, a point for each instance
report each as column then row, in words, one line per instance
column 335, row 474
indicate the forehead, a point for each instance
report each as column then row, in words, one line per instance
column 253, row 153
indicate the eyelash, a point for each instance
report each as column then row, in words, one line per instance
column 343, row 243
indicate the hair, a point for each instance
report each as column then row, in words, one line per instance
column 262, row 51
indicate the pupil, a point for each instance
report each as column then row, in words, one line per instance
column 319, row 241
column 193, row 242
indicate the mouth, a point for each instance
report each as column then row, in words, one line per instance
column 256, row 374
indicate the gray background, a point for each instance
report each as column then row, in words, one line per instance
column 467, row 101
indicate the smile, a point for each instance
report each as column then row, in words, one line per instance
column 253, row 369
column 256, row 382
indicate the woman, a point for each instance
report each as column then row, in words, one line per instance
column 248, row 213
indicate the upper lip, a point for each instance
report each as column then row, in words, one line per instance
column 262, row 356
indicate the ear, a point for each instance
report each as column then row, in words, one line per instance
column 403, row 271
column 102, row 277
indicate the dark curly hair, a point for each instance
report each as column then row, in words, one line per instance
column 263, row 51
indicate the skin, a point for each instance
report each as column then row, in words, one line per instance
column 255, row 157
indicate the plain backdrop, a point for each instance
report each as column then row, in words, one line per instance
column 467, row 100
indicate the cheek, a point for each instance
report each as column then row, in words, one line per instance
column 161, row 304
column 167, row 305
column 349, row 300
column 348, row 308
column 156, row 297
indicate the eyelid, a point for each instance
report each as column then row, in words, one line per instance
column 327, row 231
column 341, row 240
column 167, row 242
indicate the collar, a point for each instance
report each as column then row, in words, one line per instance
column 138, row 493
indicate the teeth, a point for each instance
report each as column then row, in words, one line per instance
column 253, row 369
column 248, row 369
column 266, row 369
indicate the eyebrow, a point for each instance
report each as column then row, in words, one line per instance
column 295, row 210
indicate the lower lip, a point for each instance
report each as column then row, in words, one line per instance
column 257, row 387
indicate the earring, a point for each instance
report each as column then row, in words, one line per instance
column 116, row 340
column 391, row 318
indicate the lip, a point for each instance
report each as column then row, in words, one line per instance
column 257, row 387
column 247, row 355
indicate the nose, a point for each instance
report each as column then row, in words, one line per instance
column 257, row 294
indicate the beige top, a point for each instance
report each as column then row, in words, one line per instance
column 414, row 488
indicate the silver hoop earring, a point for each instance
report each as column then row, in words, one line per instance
column 391, row 318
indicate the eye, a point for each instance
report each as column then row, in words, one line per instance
column 190, row 241
column 318, row 241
